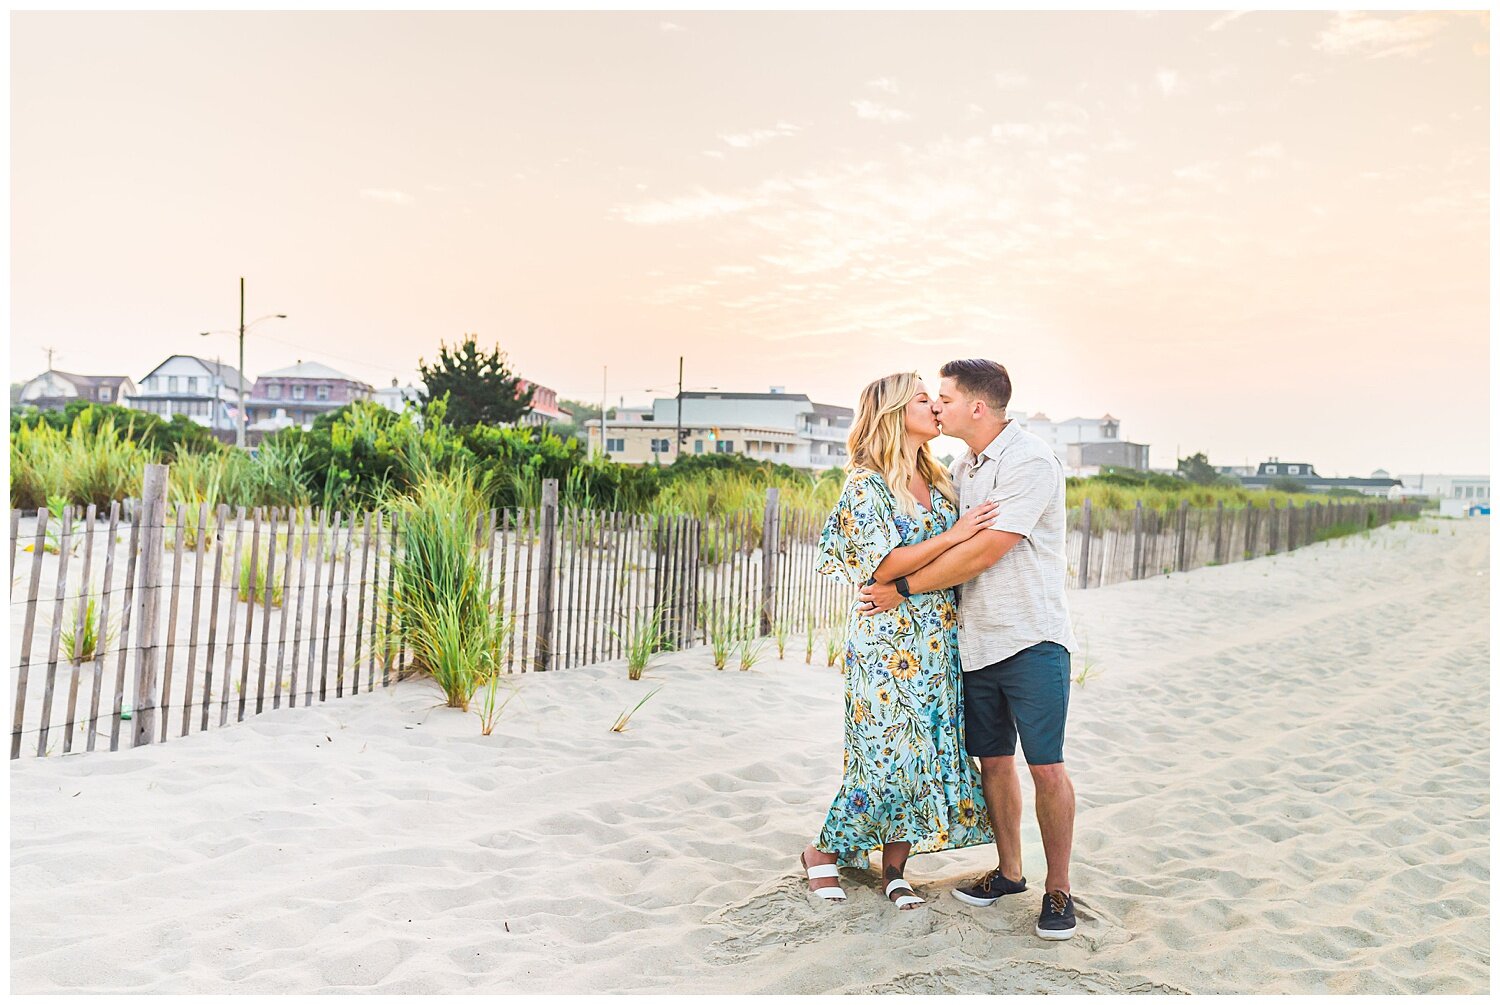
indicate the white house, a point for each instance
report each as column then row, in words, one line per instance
column 774, row 426
column 398, row 398
column 54, row 389
column 1468, row 489
column 1084, row 446
column 206, row 391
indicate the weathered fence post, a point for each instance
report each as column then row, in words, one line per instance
column 1274, row 527
column 1135, row 561
column 1182, row 512
column 153, row 513
column 769, row 536
column 547, row 567
column 1083, row 551
column 1219, row 534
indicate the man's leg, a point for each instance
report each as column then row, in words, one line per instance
column 1002, row 796
column 1054, row 814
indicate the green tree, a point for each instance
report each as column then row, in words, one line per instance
column 480, row 385
column 1197, row 470
column 1288, row 484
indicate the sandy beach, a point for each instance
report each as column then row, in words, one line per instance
column 1282, row 770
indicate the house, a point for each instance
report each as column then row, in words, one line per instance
column 206, row 391
column 398, row 398
column 774, row 426
column 544, row 406
column 1084, row 460
column 1084, row 446
column 297, row 394
column 1468, row 489
column 1275, row 469
column 54, row 389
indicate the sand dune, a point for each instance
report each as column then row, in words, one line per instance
column 1282, row 769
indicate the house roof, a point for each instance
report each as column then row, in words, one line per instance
column 85, row 380
column 833, row 411
column 309, row 369
column 228, row 375
column 746, row 395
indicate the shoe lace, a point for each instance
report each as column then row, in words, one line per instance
column 1057, row 901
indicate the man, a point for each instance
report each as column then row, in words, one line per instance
column 1014, row 634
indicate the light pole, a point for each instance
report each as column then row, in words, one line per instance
column 677, row 440
column 239, row 430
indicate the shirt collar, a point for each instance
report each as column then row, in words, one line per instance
column 995, row 447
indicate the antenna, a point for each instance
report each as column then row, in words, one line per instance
column 49, row 350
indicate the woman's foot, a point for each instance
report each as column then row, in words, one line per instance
column 822, row 873
column 892, row 866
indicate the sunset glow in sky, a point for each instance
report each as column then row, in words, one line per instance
column 1250, row 235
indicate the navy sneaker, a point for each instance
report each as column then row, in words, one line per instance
column 1056, row 921
column 988, row 888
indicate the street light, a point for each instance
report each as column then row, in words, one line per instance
column 239, row 433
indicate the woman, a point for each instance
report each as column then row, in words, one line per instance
column 908, row 785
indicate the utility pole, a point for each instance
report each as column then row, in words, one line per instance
column 49, row 350
column 604, row 417
column 239, row 434
column 677, row 440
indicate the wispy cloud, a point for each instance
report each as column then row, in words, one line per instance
column 1010, row 80
column 671, row 26
column 1376, row 37
column 885, row 84
column 877, row 112
column 386, row 195
column 701, row 205
column 1168, row 82
column 755, row 137
column 1226, row 19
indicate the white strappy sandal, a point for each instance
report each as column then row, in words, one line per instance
column 902, row 902
column 829, row 871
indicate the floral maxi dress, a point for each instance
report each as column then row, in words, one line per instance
column 907, row 776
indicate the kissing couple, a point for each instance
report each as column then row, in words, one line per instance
column 934, row 682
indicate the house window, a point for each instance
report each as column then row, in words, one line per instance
column 1294, row 469
column 724, row 447
column 171, row 383
column 298, row 392
column 192, row 384
column 697, row 446
column 660, row 446
column 615, row 446
column 322, row 392
column 273, row 390
column 104, row 394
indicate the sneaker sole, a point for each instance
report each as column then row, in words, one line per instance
column 975, row 901
column 1056, row 935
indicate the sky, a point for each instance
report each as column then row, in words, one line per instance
column 1252, row 235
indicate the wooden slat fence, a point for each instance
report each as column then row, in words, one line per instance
column 241, row 612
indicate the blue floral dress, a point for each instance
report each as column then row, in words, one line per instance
column 907, row 776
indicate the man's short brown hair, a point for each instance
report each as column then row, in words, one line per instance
column 980, row 378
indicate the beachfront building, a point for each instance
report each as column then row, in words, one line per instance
column 1275, row 469
column 298, row 394
column 774, row 426
column 1469, row 489
column 399, row 398
column 1084, row 446
column 544, row 406
column 55, row 389
column 206, row 391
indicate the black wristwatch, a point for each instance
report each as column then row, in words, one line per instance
column 901, row 586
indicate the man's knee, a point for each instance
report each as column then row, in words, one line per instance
column 1049, row 776
column 997, row 767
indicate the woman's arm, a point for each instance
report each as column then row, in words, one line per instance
column 910, row 558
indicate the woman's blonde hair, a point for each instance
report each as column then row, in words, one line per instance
column 877, row 440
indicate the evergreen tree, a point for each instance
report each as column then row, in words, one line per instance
column 480, row 386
